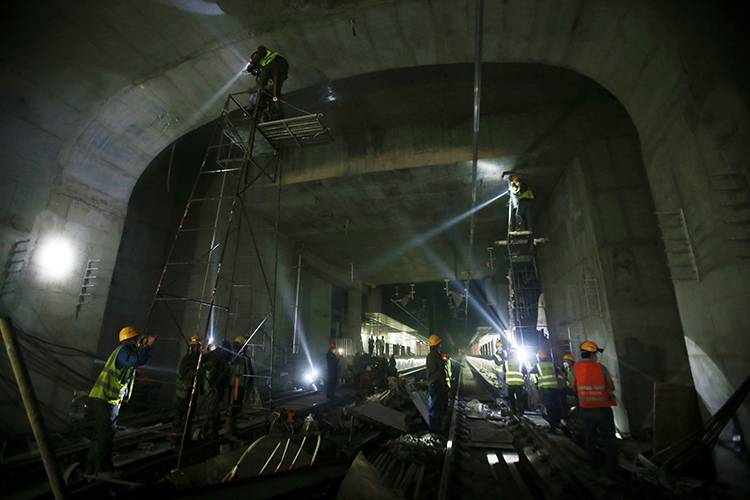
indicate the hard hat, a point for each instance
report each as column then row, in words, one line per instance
column 498, row 343
column 568, row 357
column 240, row 339
column 195, row 339
column 128, row 332
column 590, row 346
column 515, row 178
column 542, row 354
column 434, row 340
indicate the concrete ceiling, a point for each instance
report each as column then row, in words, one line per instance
column 534, row 119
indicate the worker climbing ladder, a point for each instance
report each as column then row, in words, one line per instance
column 219, row 278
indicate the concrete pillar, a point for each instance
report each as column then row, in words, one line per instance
column 353, row 323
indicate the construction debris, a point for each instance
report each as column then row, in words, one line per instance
column 381, row 414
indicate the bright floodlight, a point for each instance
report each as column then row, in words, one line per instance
column 341, row 351
column 311, row 376
column 55, row 258
column 523, row 355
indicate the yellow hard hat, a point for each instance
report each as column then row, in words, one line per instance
column 128, row 332
column 434, row 340
column 568, row 357
column 240, row 339
column 195, row 339
column 590, row 346
column 498, row 343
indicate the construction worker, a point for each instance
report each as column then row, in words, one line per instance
column 185, row 378
column 515, row 373
column 596, row 397
column 241, row 381
column 392, row 368
column 113, row 387
column 568, row 396
column 332, row 362
column 521, row 201
column 437, row 385
column 216, row 376
column 499, row 357
column 370, row 345
column 266, row 64
column 549, row 388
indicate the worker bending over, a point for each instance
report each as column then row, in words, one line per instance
column 113, row 387
column 186, row 372
column 549, row 388
column 521, row 201
column 437, row 384
column 596, row 397
column 266, row 64
column 515, row 379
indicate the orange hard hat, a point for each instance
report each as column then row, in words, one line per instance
column 590, row 346
column 128, row 332
column 568, row 357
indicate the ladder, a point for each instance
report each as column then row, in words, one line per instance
column 13, row 266
column 678, row 245
column 216, row 283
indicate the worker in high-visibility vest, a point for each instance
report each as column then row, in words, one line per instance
column 437, row 386
column 521, row 202
column 186, row 372
column 596, row 397
column 515, row 380
column 499, row 357
column 549, row 388
column 113, row 387
column 266, row 65
column 569, row 398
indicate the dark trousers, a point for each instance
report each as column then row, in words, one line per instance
column 551, row 402
column 331, row 383
column 438, row 401
column 213, row 417
column 599, row 429
column 517, row 398
column 105, row 423
column 524, row 214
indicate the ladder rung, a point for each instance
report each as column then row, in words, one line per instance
column 194, row 229
column 219, row 171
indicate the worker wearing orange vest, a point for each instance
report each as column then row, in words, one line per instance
column 596, row 397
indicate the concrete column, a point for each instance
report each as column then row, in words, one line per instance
column 353, row 323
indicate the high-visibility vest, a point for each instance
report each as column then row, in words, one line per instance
column 499, row 363
column 513, row 374
column 114, row 384
column 591, row 385
column 546, row 375
column 270, row 56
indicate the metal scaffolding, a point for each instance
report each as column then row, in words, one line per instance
column 219, row 281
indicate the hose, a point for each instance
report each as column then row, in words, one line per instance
column 286, row 447
column 232, row 473
column 269, row 459
column 315, row 453
column 298, row 452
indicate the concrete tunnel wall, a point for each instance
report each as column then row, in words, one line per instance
column 82, row 117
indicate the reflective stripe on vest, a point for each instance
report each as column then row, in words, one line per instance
column 591, row 385
column 113, row 384
column 270, row 56
column 499, row 363
column 547, row 378
column 513, row 374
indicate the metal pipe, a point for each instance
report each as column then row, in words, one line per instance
column 478, row 28
column 262, row 470
column 31, row 406
column 296, row 303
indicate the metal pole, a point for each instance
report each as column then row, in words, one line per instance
column 296, row 303
column 31, row 406
column 475, row 146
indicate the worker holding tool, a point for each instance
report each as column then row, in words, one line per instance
column 266, row 64
column 241, row 381
column 216, row 376
column 332, row 364
column 437, row 385
column 499, row 357
column 185, row 378
column 515, row 373
column 113, row 387
column 596, row 397
column 549, row 388
column 521, row 202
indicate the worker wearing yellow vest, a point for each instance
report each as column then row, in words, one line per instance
column 521, row 202
column 515, row 380
column 549, row 388
column 266, row 64
column 113, row 387
column 499, row 358
column 569, row 399
column 596, row 397
column 437, row 386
